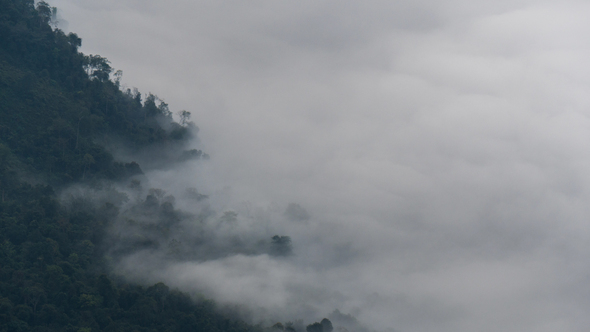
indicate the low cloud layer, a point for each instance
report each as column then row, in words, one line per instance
column 441, row 151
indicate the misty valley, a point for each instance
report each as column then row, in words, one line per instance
column 91, row 227
column 294, row 166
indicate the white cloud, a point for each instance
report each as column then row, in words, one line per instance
column 441, row 149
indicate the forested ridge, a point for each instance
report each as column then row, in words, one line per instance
column 59, row 109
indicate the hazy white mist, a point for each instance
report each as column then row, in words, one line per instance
column 441, row 149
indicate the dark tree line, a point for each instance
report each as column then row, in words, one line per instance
column 59, row 109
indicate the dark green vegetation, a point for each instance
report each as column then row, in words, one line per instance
column 324, row 326
column 58, row 110
column 59, row 107
column 61, row 112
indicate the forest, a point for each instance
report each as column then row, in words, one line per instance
column 61, row 113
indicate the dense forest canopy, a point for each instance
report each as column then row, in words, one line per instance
column 62, row 113
column 59, row 111
column 60, row 107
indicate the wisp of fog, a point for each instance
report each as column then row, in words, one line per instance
column 424, row 165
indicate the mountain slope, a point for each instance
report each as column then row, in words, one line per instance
column 59, row 110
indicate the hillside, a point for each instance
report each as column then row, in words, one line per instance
column 61, row 111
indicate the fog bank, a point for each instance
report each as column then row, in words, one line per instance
column 440, row 151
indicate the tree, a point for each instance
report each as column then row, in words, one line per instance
column 289, row 327
column 278, row 326
column 118, row 75
column 326, row 325
column 164, row 109
column 150, row 107
column 57, row 106
column 106, row 290
column 45, row 12
column 97, row 67
column 281, row 246
column 34, row 295
column 184, row 117
column 315, row 327
column 74, row 40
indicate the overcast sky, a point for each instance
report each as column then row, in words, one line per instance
column 442, row 149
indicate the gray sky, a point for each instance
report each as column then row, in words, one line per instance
column 442, row 149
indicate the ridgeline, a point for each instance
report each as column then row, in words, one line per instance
column 59, row 109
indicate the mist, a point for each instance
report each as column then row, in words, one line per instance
column 428, row 160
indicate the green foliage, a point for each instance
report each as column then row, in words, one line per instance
column 281, row 246
column 58, row 108
column 324, row 326
column 315, row 327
